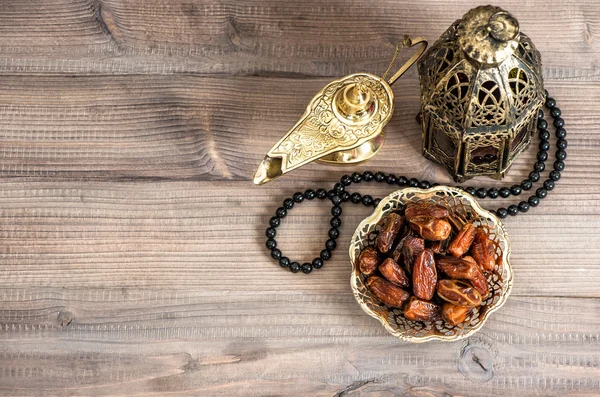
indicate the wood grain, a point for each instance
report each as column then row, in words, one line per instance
column 132, row 258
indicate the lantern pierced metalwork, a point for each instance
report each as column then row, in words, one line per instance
column 481, row 90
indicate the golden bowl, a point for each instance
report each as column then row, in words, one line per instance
column 463, row 207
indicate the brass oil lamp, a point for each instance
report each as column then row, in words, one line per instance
column 481, row 89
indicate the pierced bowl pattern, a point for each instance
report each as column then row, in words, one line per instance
column 463, row 207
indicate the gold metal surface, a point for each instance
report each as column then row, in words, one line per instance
column 464, row 208
column 481, row 90
column 342, row 124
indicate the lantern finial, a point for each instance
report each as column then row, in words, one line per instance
column 488, row 34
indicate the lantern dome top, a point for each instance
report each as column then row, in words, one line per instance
column 488, row 34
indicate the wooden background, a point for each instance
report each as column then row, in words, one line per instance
column 132, row 255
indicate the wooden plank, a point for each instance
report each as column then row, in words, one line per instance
column 198, row 342
column 265, row 37
column 201, row 128
column 183, row 235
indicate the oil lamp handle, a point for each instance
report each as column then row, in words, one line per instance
column 406, row 43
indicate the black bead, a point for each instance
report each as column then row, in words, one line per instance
column 281, row 212
column 561, row 133
column 310, row 194
column 526, row 184
column 334, row 232
column 376, row 202
column 413, row 182
column 471, row 190
column 504, row 192
column 540, row 114
column 549, row 184
column 544, row 135
column 523, row 206
column 534, row 176
column 434, row 184
column 561, row 144
column 346, row 180
column 515, row 190
column 555, row 175
column 541, row 192
column 276, row 254
column 321, row 193
column 555, row 112
column 402, row 181
column 288, row 203
column 335, row 222
column 325, row 255
column 356, row 198
column 424, row 185
column 271, row 244
column 294, row 267
column 550, row 102
column 493, row 193
column 356, row 177
column 284, row 261
column 559, row 165
column 345, row 196
column 533, row 201
column 544, row 145
column 542, row 156
column 542, row 124
column 379, row 177
column 271, row 233
column 274, row 221
column 330, row 244
column 331, row 193
column 336, row 210
column 338, row 188
column 317, row 263
column 336, row 200
column 481, row 192
column 512, row 210
column 561, row 154
column 391, row 179
column 502, row 213
column 367, row 200
column 539, row 166
column 367, row 177
column 306, row 268
column 559, row 122
column 298, row 197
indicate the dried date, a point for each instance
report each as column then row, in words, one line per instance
column 394, row 273
column 420, row 310
column 431, row 228
column 389, row 231
column 457, row 268
column 368, row 261
column 424, row 275
column 454, row 314
column 424, row 209
column 387, row 292
column 439, row 247
column 459, row 293
column 480, row 283
column 463, row 240
column 411, row 247
column 482, row 250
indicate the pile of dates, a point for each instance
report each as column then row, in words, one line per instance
column 429, row 264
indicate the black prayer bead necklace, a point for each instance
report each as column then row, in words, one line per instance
column 339, row 195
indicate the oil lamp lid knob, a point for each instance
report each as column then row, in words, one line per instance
column 488, row 34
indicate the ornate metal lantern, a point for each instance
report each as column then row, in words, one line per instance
column 481, row 89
